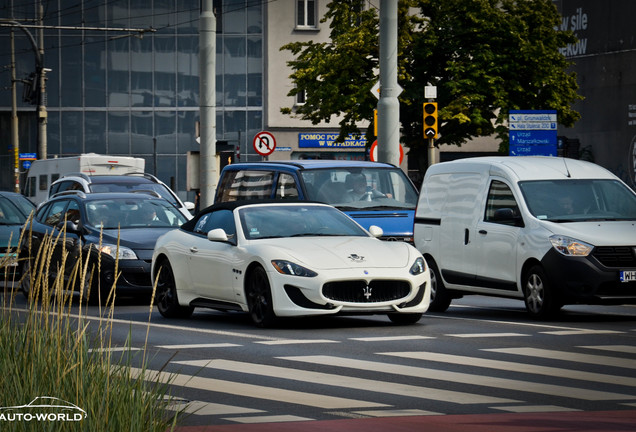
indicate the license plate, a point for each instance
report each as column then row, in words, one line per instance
column 628, row 276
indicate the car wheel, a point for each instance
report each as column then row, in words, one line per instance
column 166, row 295
column 440, row 298
column 404, row 318
column 540, row 299
column 259, row 298
column 26, row 280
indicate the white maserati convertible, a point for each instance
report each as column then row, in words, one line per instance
column 286, row 259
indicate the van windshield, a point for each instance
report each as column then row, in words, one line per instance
column 579, row 200
column 350, row 188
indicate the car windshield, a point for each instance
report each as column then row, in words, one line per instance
column 349, row 188
column 11, row 213
column 134, row 186
column 579, row 200
column 128, row 213
column 259, row 222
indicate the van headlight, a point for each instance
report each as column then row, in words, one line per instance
column 418, row 267
column 124, row 252
column 569, row 246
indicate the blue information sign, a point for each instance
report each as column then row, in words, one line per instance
column 328, row 140
column 532, row 133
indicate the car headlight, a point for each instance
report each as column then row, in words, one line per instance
column 124, row 252
column 418, row 267
column 292, row 269
column 569, row 246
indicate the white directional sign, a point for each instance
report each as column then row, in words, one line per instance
column 532, row 117
column 539, row 125
column 264, row 143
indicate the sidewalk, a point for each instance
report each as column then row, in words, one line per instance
column 571, row 421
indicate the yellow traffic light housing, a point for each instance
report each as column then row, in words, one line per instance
column 430, row 120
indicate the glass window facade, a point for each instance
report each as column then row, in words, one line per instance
column 119, row 93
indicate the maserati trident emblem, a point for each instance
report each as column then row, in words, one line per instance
column 366, row 292
column 356, row 258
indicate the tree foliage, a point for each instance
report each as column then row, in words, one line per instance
column 486, row 57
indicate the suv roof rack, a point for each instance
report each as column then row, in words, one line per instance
column 147, row 192
column 80, row 193
column 145, row 175
column 77, row 174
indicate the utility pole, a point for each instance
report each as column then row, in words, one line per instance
column 388, row 104
column 15, row 142
column 207, row 107
column 42, row 114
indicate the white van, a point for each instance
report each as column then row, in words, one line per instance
column 551, row 231
column 42, row 173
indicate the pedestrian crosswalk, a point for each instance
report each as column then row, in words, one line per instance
column 504, row 379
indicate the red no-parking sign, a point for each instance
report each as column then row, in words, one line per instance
column 264, row 143
column 373, row 153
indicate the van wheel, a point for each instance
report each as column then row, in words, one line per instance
column 540, row 299
column 440, row 298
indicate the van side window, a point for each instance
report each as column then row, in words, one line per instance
column 43, row 182
column 246, row 185
column 286, row 188
column 500, row 197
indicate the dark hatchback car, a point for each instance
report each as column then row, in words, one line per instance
column 14, row 212
column 113, row 231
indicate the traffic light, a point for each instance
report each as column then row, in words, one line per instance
column 430, row 120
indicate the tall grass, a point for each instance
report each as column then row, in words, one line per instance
column 49, row 352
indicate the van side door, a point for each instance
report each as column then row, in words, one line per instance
column 497, row 236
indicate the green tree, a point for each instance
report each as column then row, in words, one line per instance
column 486, row 57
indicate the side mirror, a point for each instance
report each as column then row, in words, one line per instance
column 71, row 227
column 507, row 216
column 376, row 231
column 217, row 234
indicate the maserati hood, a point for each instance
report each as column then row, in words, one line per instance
column 328, row 253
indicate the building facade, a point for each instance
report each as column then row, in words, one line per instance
column 111, row 89
column 125, row 92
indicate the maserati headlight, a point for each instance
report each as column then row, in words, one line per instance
column 418, row 267
column 292, row 269
column 569, row 246
column 124, row 252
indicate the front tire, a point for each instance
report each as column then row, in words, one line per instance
column 167, row 300
column 26, row 283
column 440, row 298
column 540, row 298
column 259, row 298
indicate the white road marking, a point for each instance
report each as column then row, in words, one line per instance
column 343, row 380
column 195, row 346
column 268, row 419
column 485, row 335
column 255, row 391
column 522, row 367
column 458, row 377
column 391, row 338
column 569, row 356
column 296, row 341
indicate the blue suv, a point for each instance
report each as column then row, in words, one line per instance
column 371, row 193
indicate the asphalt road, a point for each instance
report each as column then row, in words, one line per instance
column 483, row 365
